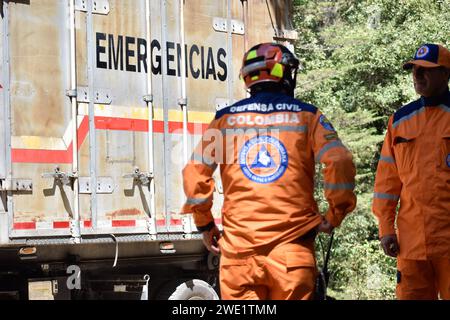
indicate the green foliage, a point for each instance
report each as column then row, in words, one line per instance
column 352, row 53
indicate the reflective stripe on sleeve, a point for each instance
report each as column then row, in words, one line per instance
column 197, row 200
column 386, row 196
column 339, row 186
column 387, row 159
column 328, row 146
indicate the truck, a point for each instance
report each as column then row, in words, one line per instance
column 101, row 104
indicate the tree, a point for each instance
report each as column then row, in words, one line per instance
column 352, row 53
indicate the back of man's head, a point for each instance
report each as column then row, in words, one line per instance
column 269, row 67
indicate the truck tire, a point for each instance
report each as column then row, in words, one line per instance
column 194, row 289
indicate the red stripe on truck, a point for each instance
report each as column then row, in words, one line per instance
column 24, row 225
column 101, row 123
column 107, row 123
column 87, row 223
column 61, row 224
column 123, row 223
column 193, row 128
column 173, row 222
column 51, row 156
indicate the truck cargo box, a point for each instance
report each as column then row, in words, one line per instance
column 101, row 104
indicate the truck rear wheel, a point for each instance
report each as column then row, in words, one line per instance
column 193, row 289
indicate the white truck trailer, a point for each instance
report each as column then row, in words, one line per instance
column 101, row 103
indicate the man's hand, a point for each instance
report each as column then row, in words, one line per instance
column 325, row 227
column 390, row 246
column 210, row 239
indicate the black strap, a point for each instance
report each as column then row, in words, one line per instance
column 327, row 258
column 208, row 227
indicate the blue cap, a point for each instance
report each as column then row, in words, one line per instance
column 430, row 56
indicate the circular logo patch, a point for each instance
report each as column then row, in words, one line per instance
column 422, row 52
column 448, row 160
column 325, row 123
column 263, row 159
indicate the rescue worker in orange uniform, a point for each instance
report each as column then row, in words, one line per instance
column 266, row 147
column 414, row 168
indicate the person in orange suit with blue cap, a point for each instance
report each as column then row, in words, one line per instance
column 414, row 168
column 267, row 146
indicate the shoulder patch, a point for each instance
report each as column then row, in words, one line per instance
column 406, row 112
column 331, row 136
column 326, row 123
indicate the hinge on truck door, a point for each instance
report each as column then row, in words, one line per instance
column 98, row 6
column 101, row 96
column 285, row 34
column 142, row 178
column 221, row 25
column 105, row 185
column 16, row 185
column 62, row 177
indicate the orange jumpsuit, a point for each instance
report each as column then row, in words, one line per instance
column 414, row 168
column 266, row 147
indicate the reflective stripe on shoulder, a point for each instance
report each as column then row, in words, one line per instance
column 339, row 186
column 197, row 200
column 269, row 129
column 328, row 146
column 444, row 107
column 407, row 117
column 387, row 159
column 386, row 196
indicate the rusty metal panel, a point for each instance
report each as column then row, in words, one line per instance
column 41, row 113
column 207, row 80
column 39, row 63
column 212, row 81
column 119, row 67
